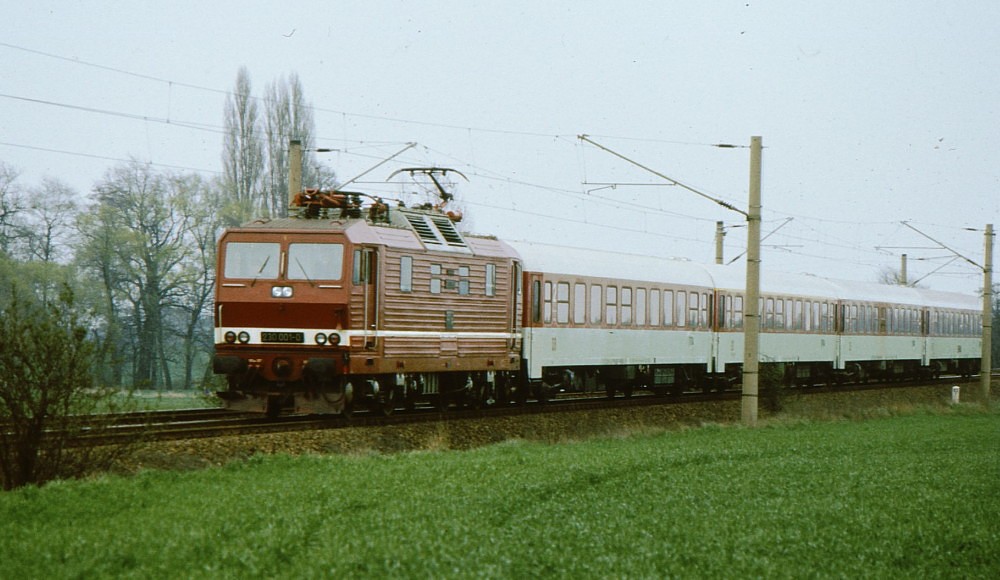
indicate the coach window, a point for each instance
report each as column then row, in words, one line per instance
column 536, row 301
column 579, row 303
column 769, row 313
column 654, row 307
column 562, row 302
column 705, row 314
column 668, row 307
column 596, row 303
column 547, row 304
column 611, row 305
column 626, row 306
column 692, row 310
column 738, row 312
column 680, row 314
column 640, row 306
column 406, row 274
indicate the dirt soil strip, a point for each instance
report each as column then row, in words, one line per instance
column 548, row 427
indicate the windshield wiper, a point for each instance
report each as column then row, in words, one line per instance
column 304, row 273
column 260, row 270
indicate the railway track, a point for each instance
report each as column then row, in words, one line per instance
column 206, row 423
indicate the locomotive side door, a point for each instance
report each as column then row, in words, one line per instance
column 368, row 278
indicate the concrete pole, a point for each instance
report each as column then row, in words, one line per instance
column 720, row 233
column 294, row 169
column 902, row 271
column 986, row 364
column 751, row 312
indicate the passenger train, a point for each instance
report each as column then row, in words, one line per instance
column 340, row 307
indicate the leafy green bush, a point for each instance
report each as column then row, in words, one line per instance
column 46, row 385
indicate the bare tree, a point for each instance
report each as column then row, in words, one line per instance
column 12, row 205
column 289, row 116
column 196, row 275
column 149, row 231
column 242, row 151
column 890, row 277
column 51, row 212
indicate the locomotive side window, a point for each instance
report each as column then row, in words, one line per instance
column 491, row 279
column 579, row 303
column 435, row 278
column 463, row 282
column 315, row 261
column 257, row 260
column 596, row 304
column 406, row 274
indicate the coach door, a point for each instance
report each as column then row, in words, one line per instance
column 515, row 303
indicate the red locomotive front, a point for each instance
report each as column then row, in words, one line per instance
column 281, row 309
column 318, row 315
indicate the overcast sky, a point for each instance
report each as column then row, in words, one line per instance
column 871, row 113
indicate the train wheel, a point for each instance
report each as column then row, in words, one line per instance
column 543, row 393
column 348, row 409
column 476, row 396
column 387, row 403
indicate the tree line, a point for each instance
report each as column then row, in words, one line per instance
column 137, row 251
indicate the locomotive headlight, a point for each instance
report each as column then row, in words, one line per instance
column 281, row 292
column 243, row 337
column 320, row 338
column 334, row 338
column 230, row 337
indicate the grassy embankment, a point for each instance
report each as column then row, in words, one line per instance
column 905, row 496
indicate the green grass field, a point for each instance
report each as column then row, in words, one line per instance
column 912, row 496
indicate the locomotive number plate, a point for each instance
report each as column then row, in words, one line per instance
column 286, row 337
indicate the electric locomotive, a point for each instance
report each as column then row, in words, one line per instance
column 383, row 307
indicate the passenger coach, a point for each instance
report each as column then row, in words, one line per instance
column 604, row 320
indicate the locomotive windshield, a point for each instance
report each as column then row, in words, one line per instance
column 263, row 261
column 258, row 260
column 315, row 261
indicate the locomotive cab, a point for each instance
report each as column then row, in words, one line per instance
column 282, row 306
